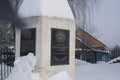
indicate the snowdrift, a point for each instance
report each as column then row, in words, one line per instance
column 114, row 60
column 24, row 66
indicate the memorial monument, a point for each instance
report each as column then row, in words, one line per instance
column 49, row 34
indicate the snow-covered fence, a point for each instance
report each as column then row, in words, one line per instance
column 7, row 57
column 92, row 57
column 96, row 56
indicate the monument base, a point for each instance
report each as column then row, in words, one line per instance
column 54, row 45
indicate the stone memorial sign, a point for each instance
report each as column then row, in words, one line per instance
column 28, row 40
column 59, row 46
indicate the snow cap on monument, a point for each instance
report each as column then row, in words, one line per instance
column 54, row 8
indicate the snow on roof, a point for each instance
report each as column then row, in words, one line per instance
column 100, row 51
column 103, row 51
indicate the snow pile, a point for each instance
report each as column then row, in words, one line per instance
column 81, row 62
column 23, row 67
column 113, row 60
column 61, row 76
column 98, row 72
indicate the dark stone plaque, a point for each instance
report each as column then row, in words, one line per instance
column 28, row 40
column 59, row 46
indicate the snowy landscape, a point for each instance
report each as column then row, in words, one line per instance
column 42, row 18
column 104, row 71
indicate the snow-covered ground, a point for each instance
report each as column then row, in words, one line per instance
column 103, row 71
column 61, row 76
column 23, row 67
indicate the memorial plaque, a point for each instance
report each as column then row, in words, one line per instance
column 28, row 40
column 59, row 46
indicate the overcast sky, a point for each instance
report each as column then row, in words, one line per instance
column 107, row 21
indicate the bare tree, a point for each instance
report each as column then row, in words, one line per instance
column 92, row 30
column 82, row 10
column 114, row 52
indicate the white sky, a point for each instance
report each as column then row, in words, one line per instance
column 107, row 22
